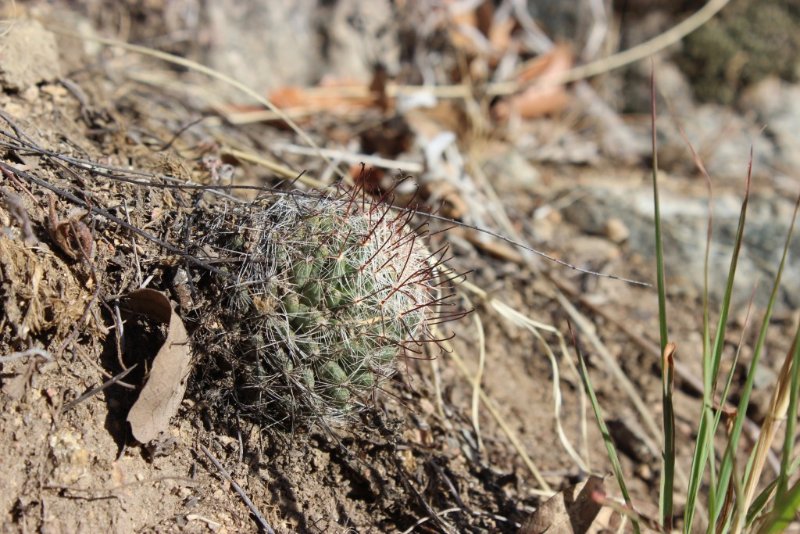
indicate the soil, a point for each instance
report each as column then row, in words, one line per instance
column 101, row 166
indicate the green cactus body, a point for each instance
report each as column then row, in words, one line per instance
column 348, row 288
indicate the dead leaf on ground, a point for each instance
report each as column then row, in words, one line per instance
column 569, row 511
column 162, row 394
column 545, row 95
column 331, row 95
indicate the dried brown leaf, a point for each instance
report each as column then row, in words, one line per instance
column 331, row 95
column 544, row 95
column 162, row 394
column 569, row 511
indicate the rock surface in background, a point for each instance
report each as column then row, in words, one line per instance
column 777, row 107
column 746, row 43
column 684, row 220
column 28, row 55
column 267, row 45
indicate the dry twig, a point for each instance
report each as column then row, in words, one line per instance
column 262, row 523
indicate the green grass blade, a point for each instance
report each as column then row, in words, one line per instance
column 722, row 324
column 662, row 289
column 712, row 495
column 704, row 445
column 761, row 501
column 733, row 443
column 779, row 487
column 783, row 513
column 609, row 442
column 791, row 420
column 725, row 467
column 668, row 460
column 667, row 385
column 738, row 521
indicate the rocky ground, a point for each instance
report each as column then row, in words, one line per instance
column 109, row 157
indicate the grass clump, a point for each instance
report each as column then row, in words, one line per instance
column 724, row 493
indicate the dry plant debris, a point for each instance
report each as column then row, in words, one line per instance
column 162, row 394
column 571, row 510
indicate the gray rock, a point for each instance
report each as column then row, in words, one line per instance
column 720, row 136
column 359, row 33
column 272, row 44
column 265, row 44
column 28, row 55
column 684, row 220
column 510, row 170
column 777, row 106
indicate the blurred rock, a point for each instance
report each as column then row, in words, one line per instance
column 684, row 221
column 616, row 230
column 747, row 42
column 359, row 34
column 267, row 45
column 777, row 105
column 673, row 90
column 510, row 170
column 568, row 22
column 720, row 136
column 28, row 55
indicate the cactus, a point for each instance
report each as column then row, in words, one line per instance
column 321, row 295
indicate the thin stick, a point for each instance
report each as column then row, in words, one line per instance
column 133, row 246
column 94, row 391
column 281, row 170
column 25, row 354
column 238, row 489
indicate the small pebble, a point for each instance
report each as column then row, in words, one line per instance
column 616, row 230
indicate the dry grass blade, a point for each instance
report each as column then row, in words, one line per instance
column 521, row 320
column 349, row 157
column 775, row 417
column 277, row 168
column 611, row 365
column 476, row 382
